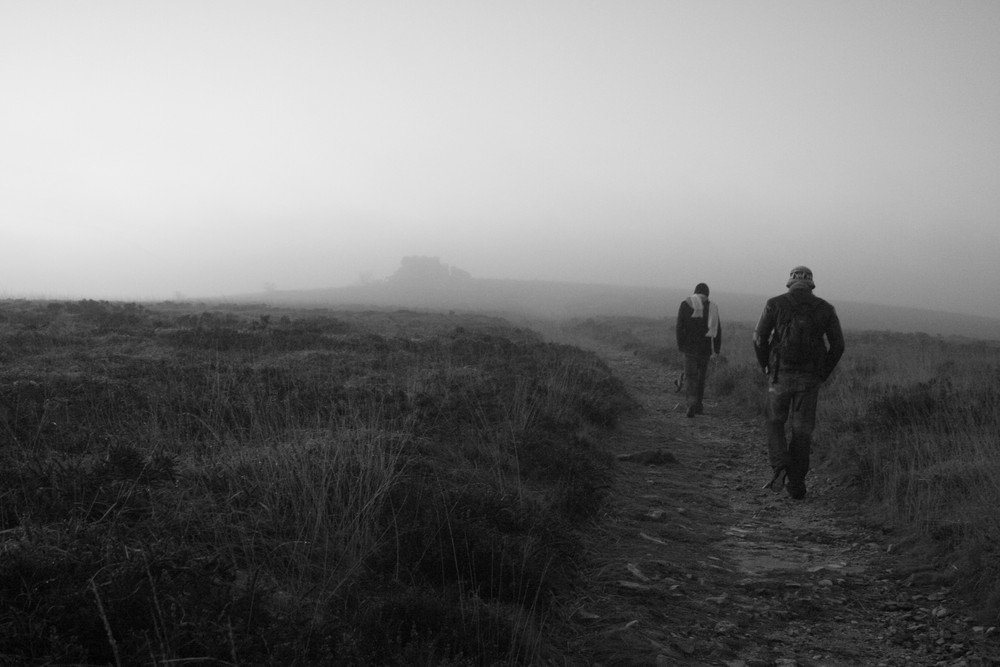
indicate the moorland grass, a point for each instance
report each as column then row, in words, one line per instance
column 909, row 424
column 915, row 421
column 183, row 485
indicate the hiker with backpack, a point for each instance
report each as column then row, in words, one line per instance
column 790, row 348
column 699, row 334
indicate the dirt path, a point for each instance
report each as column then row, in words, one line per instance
column 695, row 564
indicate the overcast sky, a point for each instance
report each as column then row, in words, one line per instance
column 158, row 148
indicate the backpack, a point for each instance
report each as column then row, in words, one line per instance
column 797, row 334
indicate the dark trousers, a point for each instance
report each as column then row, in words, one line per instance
column 695, row 369
column 792, row 399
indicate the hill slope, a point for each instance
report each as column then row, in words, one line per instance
column 563, row 300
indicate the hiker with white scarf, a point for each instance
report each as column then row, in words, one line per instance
column 699, row 335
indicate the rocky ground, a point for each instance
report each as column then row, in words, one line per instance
column 694, row 563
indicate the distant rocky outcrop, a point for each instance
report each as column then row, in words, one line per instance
column 427, row 272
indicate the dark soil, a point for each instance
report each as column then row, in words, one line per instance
column 693, row 563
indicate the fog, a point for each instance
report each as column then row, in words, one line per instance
column 170, row 149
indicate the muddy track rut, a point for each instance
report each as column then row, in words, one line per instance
column 692, row 563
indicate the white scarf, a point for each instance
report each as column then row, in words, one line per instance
column 698, row 306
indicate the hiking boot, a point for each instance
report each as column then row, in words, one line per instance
column 778, row 481
column 796, row 491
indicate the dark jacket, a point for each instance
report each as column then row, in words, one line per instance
column 691, row 338
column 825, row 324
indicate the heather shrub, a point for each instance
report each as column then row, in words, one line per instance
column 249, row 486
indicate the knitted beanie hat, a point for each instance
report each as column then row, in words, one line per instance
column 799, row 277
column 701, row 288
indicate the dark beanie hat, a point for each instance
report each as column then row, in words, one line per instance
column 701, row 288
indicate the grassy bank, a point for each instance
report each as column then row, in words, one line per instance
column 916, row 422
column 245, row 486
column 910, row 421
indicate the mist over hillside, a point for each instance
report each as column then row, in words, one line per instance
column 426, row 283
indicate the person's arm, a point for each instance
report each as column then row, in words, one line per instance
column 718, row 338
column 762, row 337
column 835, row 339
column 683, row 314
